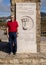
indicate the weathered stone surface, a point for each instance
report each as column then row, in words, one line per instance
column 38, row 26
column 7, row 64
column 23, row 61
column 14, row 1
column 31, row 59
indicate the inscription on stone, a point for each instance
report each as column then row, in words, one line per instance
column 26, row 17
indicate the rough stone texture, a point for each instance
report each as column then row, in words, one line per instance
column 14, row 1
column 31, row 59
column 38, row 26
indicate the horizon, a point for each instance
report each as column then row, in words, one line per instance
column 9, row 15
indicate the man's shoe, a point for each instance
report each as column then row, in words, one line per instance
column 14, row 53
column 10, row 53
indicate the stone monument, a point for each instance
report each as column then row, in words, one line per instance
column 27, row 13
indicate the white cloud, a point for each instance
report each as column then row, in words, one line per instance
column 1, row 1
column 43, row 5
column 3, row 7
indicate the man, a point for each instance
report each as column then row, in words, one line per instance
column 12, row 29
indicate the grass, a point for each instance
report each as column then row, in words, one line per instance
column 43, row 34
column 3, row 25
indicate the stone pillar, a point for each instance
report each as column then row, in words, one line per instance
column 38, row 25
column 38, row 31
column 13, row 7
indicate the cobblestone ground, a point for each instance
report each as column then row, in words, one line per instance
column 23, row 59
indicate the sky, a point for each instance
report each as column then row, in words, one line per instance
column 43, row 6
column 5, row 7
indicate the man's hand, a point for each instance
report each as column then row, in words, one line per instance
column 7, row 36
column 7, row 33
column 17, row 34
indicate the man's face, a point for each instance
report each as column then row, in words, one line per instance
column 12, row 17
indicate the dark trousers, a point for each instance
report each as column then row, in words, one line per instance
column 12, row 42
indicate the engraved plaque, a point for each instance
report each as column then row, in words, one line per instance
column 26, row 17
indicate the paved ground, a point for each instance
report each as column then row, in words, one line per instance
column 22, row 59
